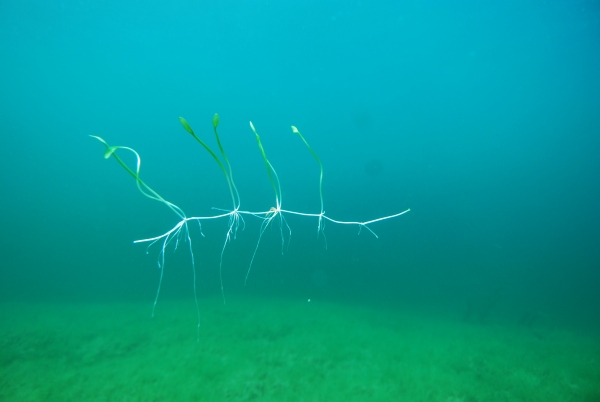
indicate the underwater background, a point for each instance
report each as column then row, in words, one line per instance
column 479, row 116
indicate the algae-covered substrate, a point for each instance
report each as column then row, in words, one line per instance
column 284, row 350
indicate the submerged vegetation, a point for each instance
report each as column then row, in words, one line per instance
column 236, row 214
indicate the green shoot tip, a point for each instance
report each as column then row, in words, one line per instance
column 215, row 120
column 109, row 152
column 186, row 125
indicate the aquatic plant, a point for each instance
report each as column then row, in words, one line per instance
column 181, row 232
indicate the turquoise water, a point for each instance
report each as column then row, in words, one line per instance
column 481, row 118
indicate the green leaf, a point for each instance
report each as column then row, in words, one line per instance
column 186, row 125
column 109, row 152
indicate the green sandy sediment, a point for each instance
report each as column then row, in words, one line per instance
column 283, row 350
